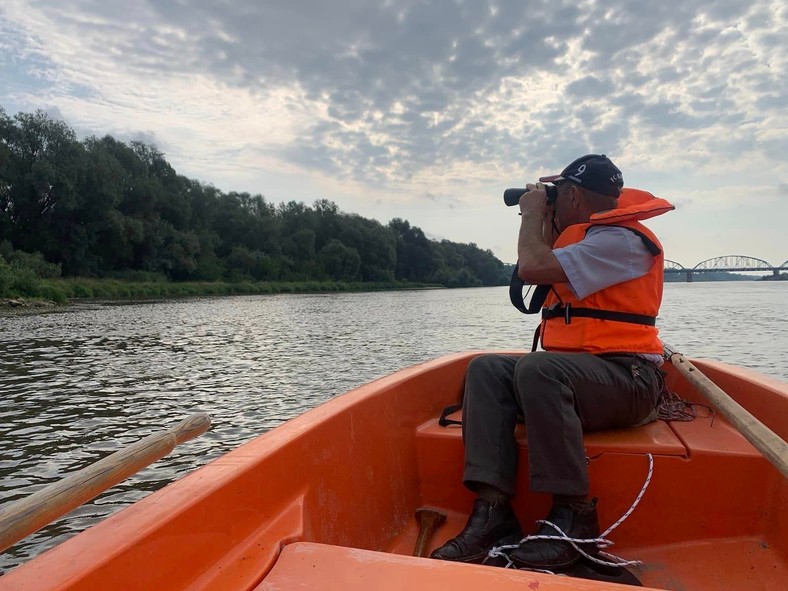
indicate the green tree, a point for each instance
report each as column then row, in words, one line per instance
column 339, row 261
column 415, row 253
column 104, row 207
column 375, row 243
column 44, row 163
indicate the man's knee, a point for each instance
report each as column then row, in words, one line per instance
column 484, row 365
column 490, row 376
column 533, row 364
column 530, row 373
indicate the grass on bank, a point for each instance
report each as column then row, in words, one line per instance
column 61, row 291
column 29, row 277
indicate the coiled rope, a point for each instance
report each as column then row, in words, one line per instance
column 600, row 542
column 671, row 407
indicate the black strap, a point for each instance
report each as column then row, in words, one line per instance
column 444, row 421
column 568, row 312
column 537, row 334
column 516, row 294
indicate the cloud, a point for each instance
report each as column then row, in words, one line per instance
column 385, row 69
column 407, row 95
column 589, row 87
column 442, row 199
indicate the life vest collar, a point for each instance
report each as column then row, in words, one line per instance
column 633, row 204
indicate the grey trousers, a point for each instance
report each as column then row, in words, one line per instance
column 560, row 395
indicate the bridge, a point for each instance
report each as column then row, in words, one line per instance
column 729, row 263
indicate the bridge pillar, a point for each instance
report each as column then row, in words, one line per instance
column 776, row 272
column 689, row 276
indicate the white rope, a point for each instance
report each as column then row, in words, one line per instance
column 600, row 542
column 637, row 500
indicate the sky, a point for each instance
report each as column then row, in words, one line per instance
column 428, row 110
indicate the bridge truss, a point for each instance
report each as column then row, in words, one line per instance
column 728, row 263
column 733, row 262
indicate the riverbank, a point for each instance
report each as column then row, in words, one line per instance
column 25, row 303
column 52, row 292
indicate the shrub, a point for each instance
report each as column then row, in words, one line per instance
column 24, row 282
column 6, row 277
column 36, row 263
column 78, row 290
column 52, row 292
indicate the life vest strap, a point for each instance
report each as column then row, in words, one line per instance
column 568, row 312
column 538, row 298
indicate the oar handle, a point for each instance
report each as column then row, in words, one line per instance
column 21, row 518
column 762, row 438
column 191, row 427
column 429, row 520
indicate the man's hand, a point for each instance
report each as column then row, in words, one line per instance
column 533, row 203
column 536, row 262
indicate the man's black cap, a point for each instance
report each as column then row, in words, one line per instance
column 594, row 172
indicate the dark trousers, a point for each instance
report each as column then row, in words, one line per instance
column 560, row 395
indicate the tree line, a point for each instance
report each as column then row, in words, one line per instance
column 104, row 208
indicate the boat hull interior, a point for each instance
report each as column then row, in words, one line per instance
column 327, row 501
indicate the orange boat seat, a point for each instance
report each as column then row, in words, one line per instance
column 440, row 455
column 707, row 454
column 656, row 438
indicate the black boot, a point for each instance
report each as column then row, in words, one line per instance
column 488, row 523
column 575, row 522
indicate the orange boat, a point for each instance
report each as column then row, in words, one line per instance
column 328, row 501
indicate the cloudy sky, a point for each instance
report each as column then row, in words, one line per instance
column 427, row 110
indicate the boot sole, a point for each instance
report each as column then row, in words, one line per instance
column 474, row 559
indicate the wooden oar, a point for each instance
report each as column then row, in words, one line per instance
column 21, row 518
column 764, row 439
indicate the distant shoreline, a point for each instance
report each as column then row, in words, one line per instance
column 26, row 303
column 63, row 291
column 66, row 291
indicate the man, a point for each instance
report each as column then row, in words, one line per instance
column 599, row 369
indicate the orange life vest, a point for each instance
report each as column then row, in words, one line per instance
column 619, row 318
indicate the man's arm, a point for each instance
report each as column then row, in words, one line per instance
column 536, row 262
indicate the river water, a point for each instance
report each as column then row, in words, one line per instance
column 88, row 379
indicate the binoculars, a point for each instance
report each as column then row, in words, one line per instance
column 512, row 196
